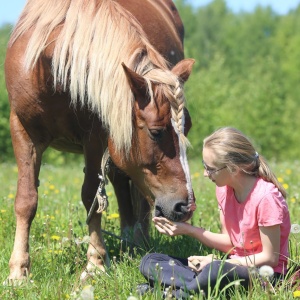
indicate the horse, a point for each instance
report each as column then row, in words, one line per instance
column 84, row 76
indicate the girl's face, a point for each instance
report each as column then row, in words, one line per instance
column 216, row 172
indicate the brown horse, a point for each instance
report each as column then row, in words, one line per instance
column 84, row 75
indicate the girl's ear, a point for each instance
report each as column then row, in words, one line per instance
column 234, row 170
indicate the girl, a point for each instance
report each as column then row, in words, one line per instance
column 254, row 219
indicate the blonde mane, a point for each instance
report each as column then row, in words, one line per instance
column 95, row 38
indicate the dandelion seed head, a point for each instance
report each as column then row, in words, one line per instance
column 87, row 293
column 77, row 241
column 266, row 271
column 64, row 240
column 132, row 298
column 86, row 239
column 295, row 228
column 171, row 262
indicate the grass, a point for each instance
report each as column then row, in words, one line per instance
column 57, row 262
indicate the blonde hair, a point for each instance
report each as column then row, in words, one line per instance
column 234, row 149
column 95, row 38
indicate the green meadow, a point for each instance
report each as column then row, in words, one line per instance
column 58, row 239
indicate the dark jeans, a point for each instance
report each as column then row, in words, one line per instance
column 156, row 267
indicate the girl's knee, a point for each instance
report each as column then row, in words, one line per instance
column 147, row 263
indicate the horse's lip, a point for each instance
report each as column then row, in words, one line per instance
column 192, row 207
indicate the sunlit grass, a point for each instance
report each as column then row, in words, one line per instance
column 59, row 238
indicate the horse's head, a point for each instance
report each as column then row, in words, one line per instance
column 156, row 161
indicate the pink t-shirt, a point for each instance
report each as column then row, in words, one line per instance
column 265, row 206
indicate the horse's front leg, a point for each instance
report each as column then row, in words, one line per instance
column 28, row 160
column 96, row 254
column 133, row 208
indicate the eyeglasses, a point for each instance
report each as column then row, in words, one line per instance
column 211, row 171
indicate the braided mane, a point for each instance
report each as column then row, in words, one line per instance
column 95, row 38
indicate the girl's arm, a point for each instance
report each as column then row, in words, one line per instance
column 218, row 241
column 270, row 238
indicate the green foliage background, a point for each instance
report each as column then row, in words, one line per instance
column 246, row 75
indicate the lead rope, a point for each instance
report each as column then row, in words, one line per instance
column 101, row 198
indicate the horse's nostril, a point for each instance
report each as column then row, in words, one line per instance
column 178, row 212
column 158, row 211
column 180, row 207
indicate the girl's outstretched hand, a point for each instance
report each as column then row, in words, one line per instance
column 167, row 227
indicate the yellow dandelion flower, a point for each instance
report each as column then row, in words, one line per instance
column 293, row 200
column 11, row 196
column 52, row 217
column 55, row 237
column 67, row 296
column 109, row 194
column 76, row 180
column 113, row 216
column 296, row 294
column 50, row 251
column 196, row 175
column 51, row 187
column 43, row 235
column 104, row 213
column 280, row 179
column 285, row 186
column 3, row 211
column 56, row 191
column 288, row 171
column 46, row 192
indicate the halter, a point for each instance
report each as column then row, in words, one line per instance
column 101, row 197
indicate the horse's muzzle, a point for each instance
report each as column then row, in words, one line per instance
column 177, row 211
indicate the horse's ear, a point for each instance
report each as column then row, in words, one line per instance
column 137, row 83
column 183, row 69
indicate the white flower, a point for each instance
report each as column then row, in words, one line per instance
column 171, row 262
column 295, row 228
column 266, row 271
column 86, row 239
column 64, row 240
column 132, row 298
column 87, row 293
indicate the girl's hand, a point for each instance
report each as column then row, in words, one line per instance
column 167, row 227
column 197, row 263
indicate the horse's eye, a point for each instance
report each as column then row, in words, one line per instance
column 156, row 134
